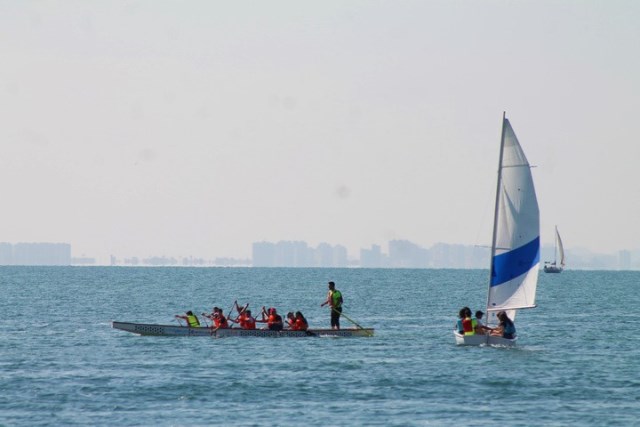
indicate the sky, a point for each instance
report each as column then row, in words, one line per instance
column 139, row 128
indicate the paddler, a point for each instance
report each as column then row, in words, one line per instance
column 246, row 320
column 291, row 320
column 219, row 321
column 192, row 319
column 301, row 323
column 272, row 319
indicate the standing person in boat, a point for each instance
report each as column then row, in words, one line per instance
column 334, row 299
column 506, row 328
column 191, row 319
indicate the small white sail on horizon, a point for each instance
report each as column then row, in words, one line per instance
column 558, row 251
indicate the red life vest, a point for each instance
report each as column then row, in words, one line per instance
column 220, row 322
column 271, row 320
column 467, row 326
column 223, row 322
column 292, row 323
column 247, row 322
column 301, row 325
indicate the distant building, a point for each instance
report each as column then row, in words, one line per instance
column 372, row 258
column 264, row 254
column 624, row 260
column 298, row 254
column 6, row 254
column 404, row 254
column 35, row 254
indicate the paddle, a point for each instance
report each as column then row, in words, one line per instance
column 348, row 318
column 206, row 316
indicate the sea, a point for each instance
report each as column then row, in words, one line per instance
column 577, row 362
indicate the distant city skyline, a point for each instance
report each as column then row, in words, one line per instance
column 400, row 254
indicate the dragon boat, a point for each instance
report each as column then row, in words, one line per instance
column 203, row 331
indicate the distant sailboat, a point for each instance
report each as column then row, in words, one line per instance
column 558, row 249
column 515, row 247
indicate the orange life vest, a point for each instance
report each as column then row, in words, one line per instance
column 301, row 325
column 247, row 322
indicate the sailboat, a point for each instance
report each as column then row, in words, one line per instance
column 515, row 247
column 558, row 249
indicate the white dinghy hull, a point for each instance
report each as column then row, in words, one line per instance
column 478, row 340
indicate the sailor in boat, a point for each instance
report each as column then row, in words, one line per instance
column 481, row 328
column 506, row 328
column 190, row 318
column 468, row 323
column 459, row 327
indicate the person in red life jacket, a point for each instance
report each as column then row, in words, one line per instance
column 274, row 322
column 192, row 319
column 212, row 315
column 217, row 318
column 461, row 313
column 272, row 319
column 291, row 321
column 246, row 320
column 220, row 320
column 301, row 323
column 242, row 309
column 468, row 323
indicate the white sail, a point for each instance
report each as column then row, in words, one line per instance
column 560, row 248
column 515, row 256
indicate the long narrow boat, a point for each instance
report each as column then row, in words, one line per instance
column 515, row 247
column 202, row 331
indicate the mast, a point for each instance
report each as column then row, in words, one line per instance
column 495, row 212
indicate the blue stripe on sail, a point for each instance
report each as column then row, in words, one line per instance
column 514, row 263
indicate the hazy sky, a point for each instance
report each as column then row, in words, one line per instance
column 196, row 128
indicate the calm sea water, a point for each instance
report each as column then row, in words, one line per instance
column 577, row 362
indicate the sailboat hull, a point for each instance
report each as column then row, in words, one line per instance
column 552, row 269
column 483, row 340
